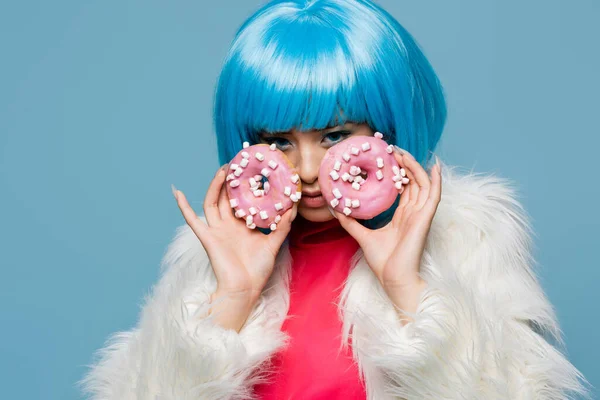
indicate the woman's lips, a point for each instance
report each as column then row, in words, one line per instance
column 314, row 201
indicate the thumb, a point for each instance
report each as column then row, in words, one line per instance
column 284, row 226
column 353, row 227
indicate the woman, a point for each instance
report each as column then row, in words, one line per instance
column 436, row 297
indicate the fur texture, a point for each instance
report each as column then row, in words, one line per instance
column 479, row 331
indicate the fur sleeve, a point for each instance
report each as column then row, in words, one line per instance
column 482, row 324
column 175, row 351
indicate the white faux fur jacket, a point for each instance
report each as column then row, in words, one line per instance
column 479, row 332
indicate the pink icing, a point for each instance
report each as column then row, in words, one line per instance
column 278, row 179
column 375, row 196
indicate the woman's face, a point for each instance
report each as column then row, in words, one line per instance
column 306, row 150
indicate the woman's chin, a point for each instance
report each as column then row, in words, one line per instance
column 320, row 214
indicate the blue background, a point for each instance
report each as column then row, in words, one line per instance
column 104, row 104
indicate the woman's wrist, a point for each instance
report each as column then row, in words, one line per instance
column 406, row 297
column 231, row 309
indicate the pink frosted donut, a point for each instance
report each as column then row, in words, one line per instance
column 262, row 184
column 360, row 176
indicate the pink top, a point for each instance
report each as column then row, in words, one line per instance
column 310, row 367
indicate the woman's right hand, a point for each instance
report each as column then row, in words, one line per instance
column 242, row 258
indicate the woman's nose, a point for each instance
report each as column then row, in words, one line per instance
column 308, row 166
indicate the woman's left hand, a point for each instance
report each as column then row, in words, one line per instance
column 394, row 252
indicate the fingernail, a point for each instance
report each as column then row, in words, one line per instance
column 223, row 167
column 174, row 190
column 332, row 212
column 403, row 152
column 399, row 150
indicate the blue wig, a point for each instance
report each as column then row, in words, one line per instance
column 313, row 64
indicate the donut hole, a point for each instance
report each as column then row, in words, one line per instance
column 262, row 183
column 363, row 174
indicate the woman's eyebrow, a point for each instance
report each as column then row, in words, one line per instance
column 266, row 133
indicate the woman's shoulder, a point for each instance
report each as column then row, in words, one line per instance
column 481, row 206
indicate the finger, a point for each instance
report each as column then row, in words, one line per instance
column 413, row 194
column 405, row 196
column 435, row 194
column 421, row 177
column 211, row 201
column 276, row 237
column 225, row 210
column 353, row 227
column 197, row 225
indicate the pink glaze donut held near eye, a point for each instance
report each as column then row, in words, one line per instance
column 360, row 176
column 262, row 184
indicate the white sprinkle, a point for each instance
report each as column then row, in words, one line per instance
column 355, row 186
column 404, row 181
column 366, row 146
column 347, row 211
column 396, row 170
column 266, row 187
column 253, row 182
column 299, row 195
column 272, row 164
column 258, row 193
column 359, row 179
column 234, row 183
column 337, row 193
column 265, row 172
column 273, row 147
column 402, row 172
column 354, row 151
column 354, row 170
column 346, row 157
column 253, row 226
column 396, row 178
column 389, row 149
column 295, row 178
column 258, row 178
column 234, row 166
column 252, row 211
column 379, row 135
column 246, row 145
column 334, row 175
column 278, row 206
column 259, row 156
column 398, row 185
column 379, row 162
column 277, row 219
column 238, row 172
column 337, row 165
column 355, row 203
column 334, row 203
column 234, row 203
column 345, row 177
column 245, row 155
column 287, row 191
column 273, row 226
column 347, row 202
column 294, row 198
column 249, row 220
column 244, row 163
column 263, row 214
column 379, row 175
column 351, row 179
column 230, row 177
column 240, row 214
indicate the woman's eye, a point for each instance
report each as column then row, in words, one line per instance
column 337, row 136
column 280, row 142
